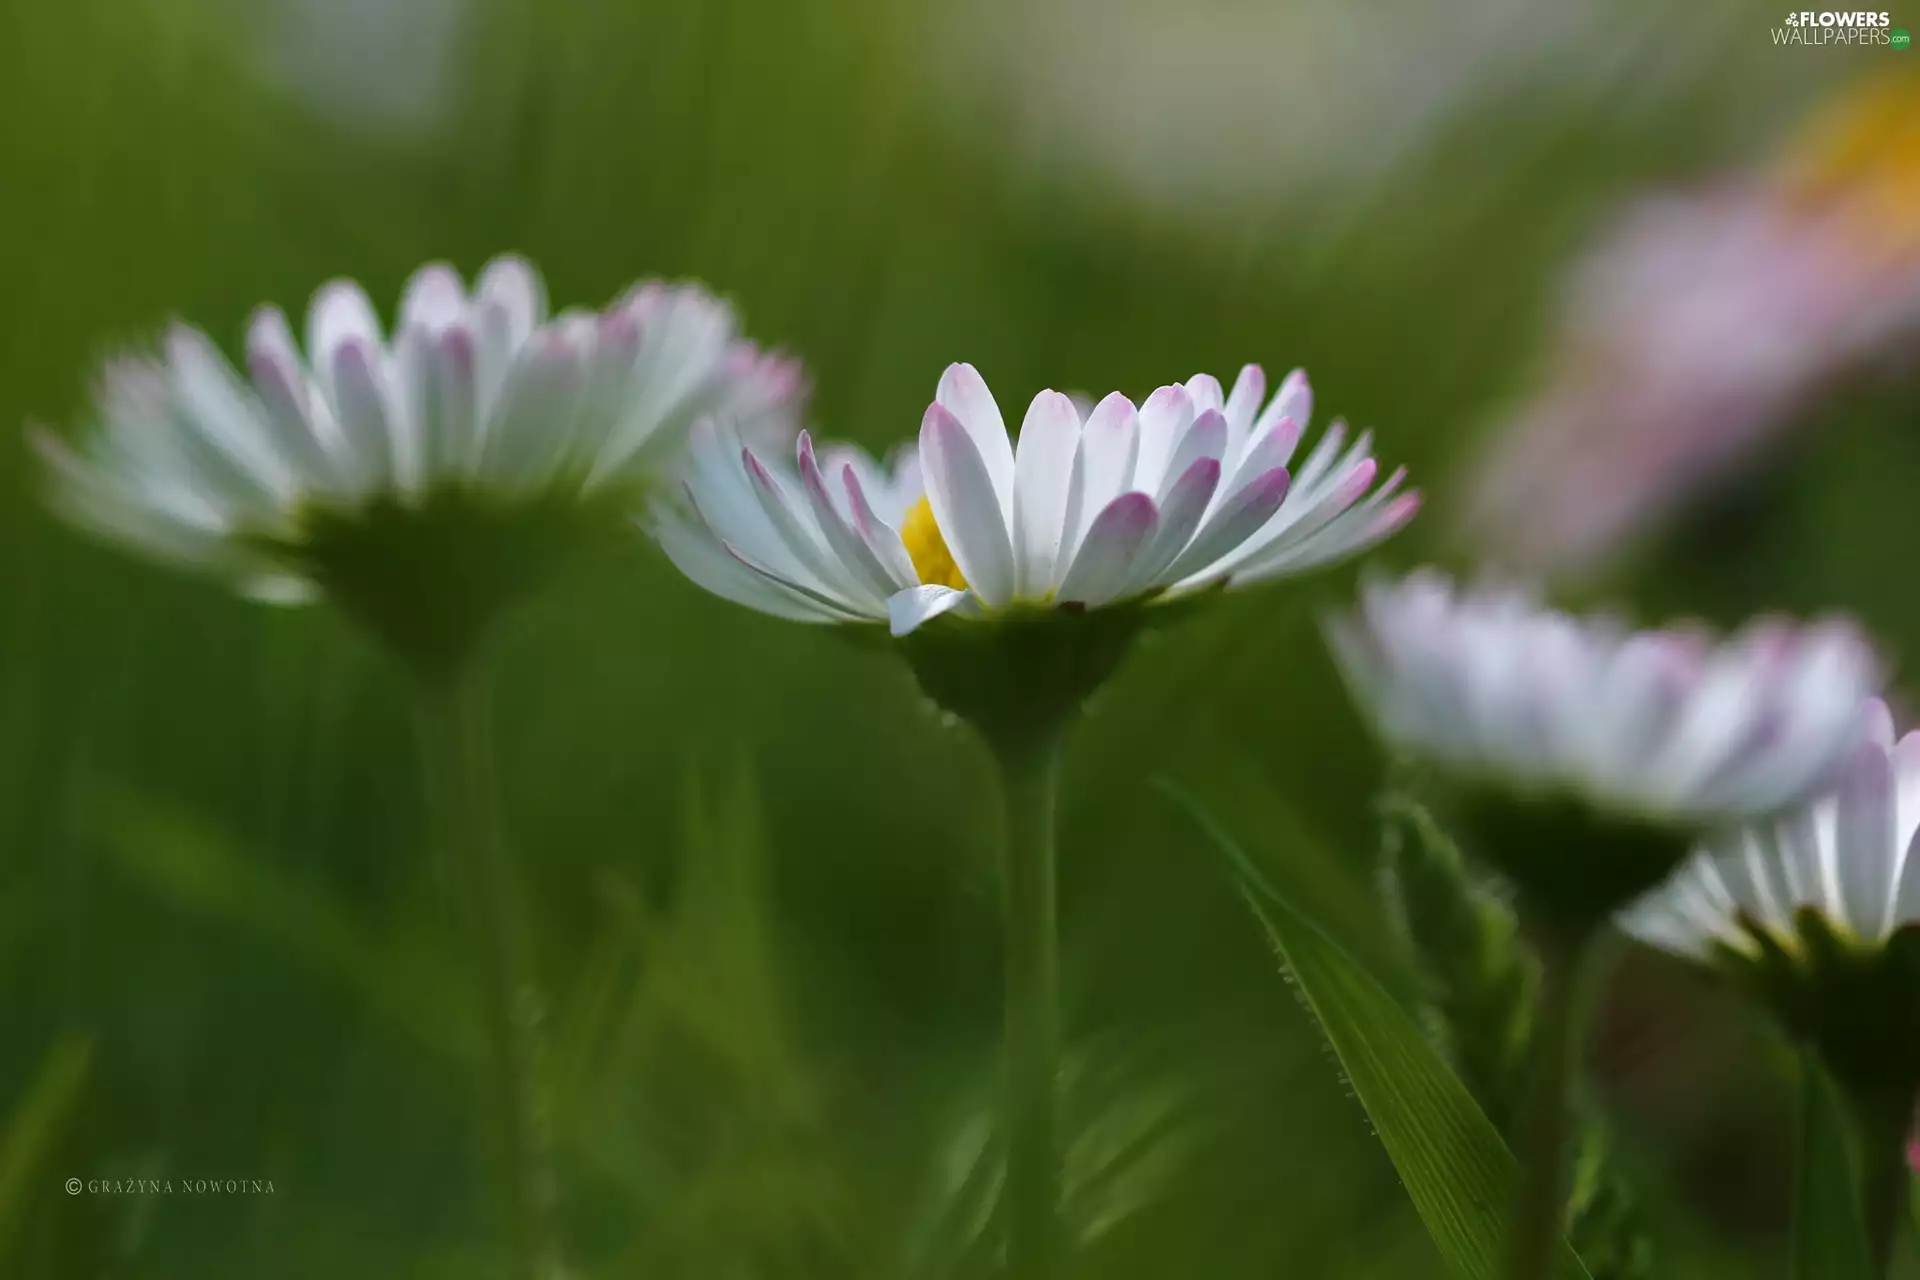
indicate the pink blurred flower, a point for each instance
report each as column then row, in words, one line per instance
column 1701, row 326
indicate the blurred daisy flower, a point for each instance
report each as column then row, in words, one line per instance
column 1835, row 876
column 422, row 480
column 1814, row 914
column 1702, row 325
column 1591, row 755
column 1188, row 491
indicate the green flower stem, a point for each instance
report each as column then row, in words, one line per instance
column 1882, row 1119
column 1029, row 771
column 457, row 753
column 1567, row 966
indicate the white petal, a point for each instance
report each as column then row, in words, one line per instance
column 280, row 381
column 1165, row 419
column 1755, row 881
column 433, row 299
column 717, row 484
column 451, row 442
column 218, row 410
column 830, row 609
column 1906, row 903
column 1043, row 478
column 360, row 399
column 1204, row 388
column 966, row 507
column 1268, row 447
column 696, row 553
column 1293, row 400
column 509, row 300
column 906, row 610
column 1864, row 840
column 1243, row 402
column 532, row 422
column 511, row 284
column 1109, row 447
column 339, row 313
column 963, row 393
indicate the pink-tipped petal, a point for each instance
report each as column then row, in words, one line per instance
column 1232, row 523
column 1181, row 510
column 1206, row 438
column 1293, row 400
column 360, row 402
column 1164, row 420
column 963, row 393
column 454, row 444
column 1243, row 402
column 825, row 571
column 1109, row 449
column 1205, row 390
column 434, row 298
column 340, row 313
column 845, row 543
column 1102, row 566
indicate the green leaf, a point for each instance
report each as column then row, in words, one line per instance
column 1451, row 1159
column 1829, row 1230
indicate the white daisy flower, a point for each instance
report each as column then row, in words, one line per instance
column 1846, row 858
column 1664, row 727
column 478, row 400
column 1129, row 503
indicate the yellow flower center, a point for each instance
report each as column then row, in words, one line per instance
column 928, row 550
column 1863, row 154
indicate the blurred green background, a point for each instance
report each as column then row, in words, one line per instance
column 752, row 858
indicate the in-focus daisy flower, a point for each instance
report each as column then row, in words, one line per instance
column 1596, row 730
column 420, row 479
column 1816, row 913
column 1015, row 576
column 1704, row 324
column 1127, row 504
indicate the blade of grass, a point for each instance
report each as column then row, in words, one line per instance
column 1450, row 1158
column 1829, row 1230
column 35, row 1126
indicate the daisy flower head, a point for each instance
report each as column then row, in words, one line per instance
column 1052, row 545
column 423, row 478
column 1590, row 756
column 1815, row 911
column 1702, row 326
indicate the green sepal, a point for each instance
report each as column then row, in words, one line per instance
column 429, row 578
column 1020, row 675
column 1573, row 864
